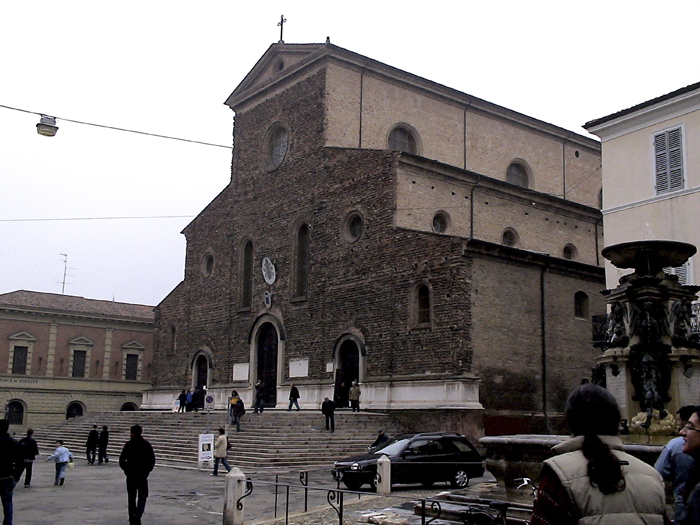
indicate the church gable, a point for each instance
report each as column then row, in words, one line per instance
column 278, row 61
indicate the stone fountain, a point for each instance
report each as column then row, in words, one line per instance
column 650, row 360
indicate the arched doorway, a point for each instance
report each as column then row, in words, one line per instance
column 14, row 413
column 128, row 407
column 201, row 372
column 267, row 363
column 74, row 410
column 347, row 370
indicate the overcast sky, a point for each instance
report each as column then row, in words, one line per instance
column 166, row 67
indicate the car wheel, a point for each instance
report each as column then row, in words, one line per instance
column 352, row 484
column 460, row 479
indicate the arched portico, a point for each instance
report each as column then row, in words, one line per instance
column 349, row 352
column 201, row 368
column 267, row 341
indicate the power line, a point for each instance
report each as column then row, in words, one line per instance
column 101, row 218
column 119, row 129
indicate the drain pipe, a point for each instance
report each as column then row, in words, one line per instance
column 543, row 328
column 471, row 208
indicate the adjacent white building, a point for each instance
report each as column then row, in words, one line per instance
column 651, row 174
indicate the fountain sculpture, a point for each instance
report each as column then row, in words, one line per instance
column 650, row 356
column 650, row 360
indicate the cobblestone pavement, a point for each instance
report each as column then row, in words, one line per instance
column 97, row 495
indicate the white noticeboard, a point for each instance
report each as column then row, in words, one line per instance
column 206, row 451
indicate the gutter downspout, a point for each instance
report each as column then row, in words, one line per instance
column 471, row 208
column 543, row 328
column 563, row 166
column 362, row 93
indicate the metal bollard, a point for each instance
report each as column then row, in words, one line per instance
column 384, row 475
column 234, row 492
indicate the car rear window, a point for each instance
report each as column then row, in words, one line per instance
column 462, row 446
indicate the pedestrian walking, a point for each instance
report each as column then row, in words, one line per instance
column 188, row 400
column 674, row 465
column 91, row 445
column 220, row 451
column 259, row 394
column 102, row 443
column 137, row 461
column 293, row 397
column 590, row 479
column 354, row 397
column 62, row 456
column 29, row 450
column 328, row 410
column 182, row 401
column 236, row 410
column 9, row 459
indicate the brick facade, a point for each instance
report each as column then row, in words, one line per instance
column 362, row 307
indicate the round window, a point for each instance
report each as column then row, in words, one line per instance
column 510, row 237
column 440, row 223
column 354, row 227
column 569, row 252
column 207, row 264
column 277, row 146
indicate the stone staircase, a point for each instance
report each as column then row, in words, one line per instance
column 275, row 439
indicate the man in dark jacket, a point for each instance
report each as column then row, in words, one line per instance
column 91, row 445
column 9, row 458
column 293, row 397
column 328, row 410
column 102, row 443
column 137, row 461
column 29, row 450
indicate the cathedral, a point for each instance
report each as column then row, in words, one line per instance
column 439, row 249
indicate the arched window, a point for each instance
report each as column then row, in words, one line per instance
column 402, row 139
column 128, row 407
column 14, row 413
column 301, row 262
column 580, row 305
column 247, row 275
column 509, row 237
column 420, row 315
column 517, row 174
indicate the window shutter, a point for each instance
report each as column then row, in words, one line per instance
column 668, row 152
column 679, row 271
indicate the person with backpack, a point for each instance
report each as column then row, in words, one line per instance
column 29, row 450
column 236, row 410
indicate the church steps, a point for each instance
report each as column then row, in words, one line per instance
column 276, row 439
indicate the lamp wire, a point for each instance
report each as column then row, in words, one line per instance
column 117, row 129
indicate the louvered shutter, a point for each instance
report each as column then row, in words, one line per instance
column 680, row 271
column 668, row 152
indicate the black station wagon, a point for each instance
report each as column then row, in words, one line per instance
column 415, row 458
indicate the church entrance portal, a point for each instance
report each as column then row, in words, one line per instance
column 201, row 372
column 347, row 371
column 267, row 363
